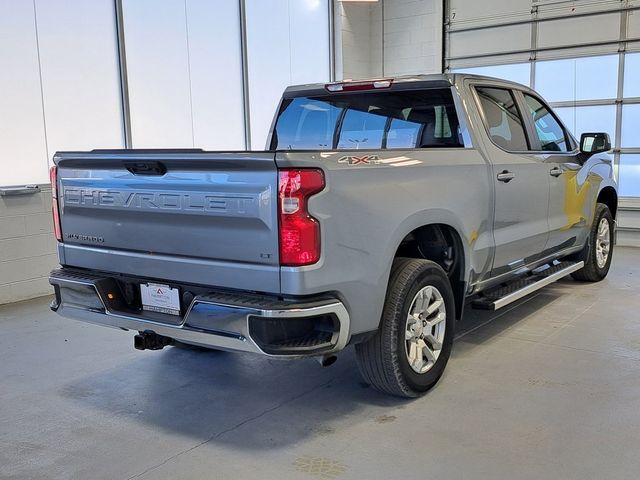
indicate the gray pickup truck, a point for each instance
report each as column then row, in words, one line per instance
column 380, row 210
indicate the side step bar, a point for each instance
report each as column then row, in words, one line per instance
column 541, row 277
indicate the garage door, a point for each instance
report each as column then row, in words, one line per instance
column 582, row 56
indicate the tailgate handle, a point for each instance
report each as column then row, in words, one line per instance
column 146, row 168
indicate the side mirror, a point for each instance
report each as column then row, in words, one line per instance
column 591, row 143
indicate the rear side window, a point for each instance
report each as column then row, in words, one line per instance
column 504, row 122
column 368, row 120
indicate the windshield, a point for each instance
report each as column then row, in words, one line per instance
column 370, row 120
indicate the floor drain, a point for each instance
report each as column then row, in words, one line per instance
column 319, row 467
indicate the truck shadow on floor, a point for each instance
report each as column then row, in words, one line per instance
column 250, row 402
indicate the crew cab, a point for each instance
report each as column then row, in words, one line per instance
column 379, row 211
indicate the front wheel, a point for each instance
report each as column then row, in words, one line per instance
column 408, row 354
column 597, row 260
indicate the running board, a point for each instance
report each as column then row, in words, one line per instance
column 541, row 277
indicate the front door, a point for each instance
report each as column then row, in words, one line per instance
column 570, row 190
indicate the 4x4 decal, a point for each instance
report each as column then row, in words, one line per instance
column 360, row 160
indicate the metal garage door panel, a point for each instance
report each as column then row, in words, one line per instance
column 577, row 52
column 478, row 42
column 633, row 30
column 567, row 9
column 490, row 60
column 487, row 12
column 578, row 31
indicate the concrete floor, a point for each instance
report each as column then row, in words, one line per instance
column 549, row 388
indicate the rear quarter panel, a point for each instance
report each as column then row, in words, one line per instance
column 368, row 208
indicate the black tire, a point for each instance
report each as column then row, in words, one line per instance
column 382, row 359
column 592, row 272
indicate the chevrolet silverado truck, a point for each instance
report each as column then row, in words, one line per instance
column 380, row 210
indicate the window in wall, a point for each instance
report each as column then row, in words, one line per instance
column 502, row 118
column 357, row 121
column 578, row 120
column 632, row 75
column 578, row 78
column 549, row 132
column 630, row 123
column 516, row 72
column 629, row 175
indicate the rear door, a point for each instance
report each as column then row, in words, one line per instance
column 521, row 181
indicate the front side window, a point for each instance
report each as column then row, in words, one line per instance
column 503, row 119
column 548, row 130
column 368, row 120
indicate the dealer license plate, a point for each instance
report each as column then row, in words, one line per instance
column 160, row 298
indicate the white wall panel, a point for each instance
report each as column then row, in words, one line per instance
column 80, row 77
column 216, row 74
column 158, row 71
column 275, row 31
column 22, row 139
column 269, row 62
column 309, row 29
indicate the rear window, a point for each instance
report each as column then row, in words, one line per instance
column 371, row 120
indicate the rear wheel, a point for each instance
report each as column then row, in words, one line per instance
column 597, row 260
column 408, row 354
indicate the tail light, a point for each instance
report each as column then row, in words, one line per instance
column 53, row 176
column 299, row 231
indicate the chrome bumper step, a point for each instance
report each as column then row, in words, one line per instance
column 502, row 296
column 222, row 320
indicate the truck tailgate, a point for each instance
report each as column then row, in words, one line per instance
column 192, row 216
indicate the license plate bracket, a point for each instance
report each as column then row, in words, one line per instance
column 160, row 298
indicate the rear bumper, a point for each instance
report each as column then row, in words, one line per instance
column 221, row 320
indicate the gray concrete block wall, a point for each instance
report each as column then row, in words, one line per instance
column 359, row 40
column 27, row 246
column 412, row 37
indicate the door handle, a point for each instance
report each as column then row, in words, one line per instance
column 555, row 172
column 506, row 176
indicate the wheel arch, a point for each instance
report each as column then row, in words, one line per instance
column 443, row 244
column 609, row 197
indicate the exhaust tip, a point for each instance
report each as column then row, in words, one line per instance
column 327, row 360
